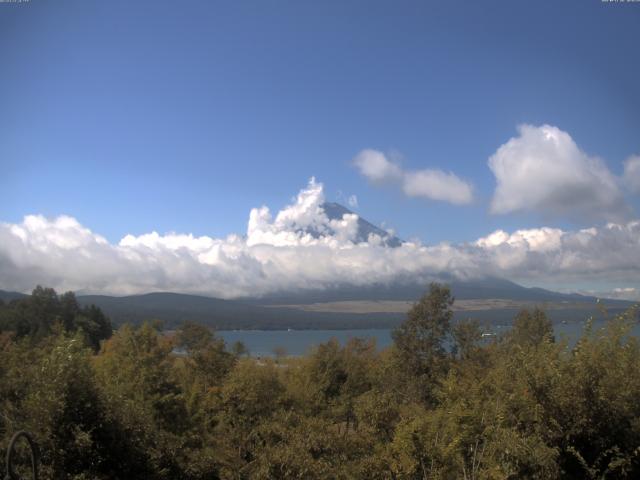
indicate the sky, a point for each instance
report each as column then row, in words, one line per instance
column 140, row 142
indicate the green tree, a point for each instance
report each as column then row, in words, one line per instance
column 95, row 325
column 466, row 337
column 36, row 317
column 146, row 406
column 419, row 340
column 207, row 354
column 531, row 328
column 250, row 396
column 597, row 406
column 239, row 349
column 50, row 390
column 193, row 337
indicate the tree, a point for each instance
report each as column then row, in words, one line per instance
column 251, row 394
column 193, row 337
column 68, row 308
column 208, row 356
column 41, row 311
column 146, row 408
column 50, row 390
column 419, row 340
column 95, row 325
column 38, row 315
column 531, row 328
column 280, row 353
column 239, row 349
column 466, row 336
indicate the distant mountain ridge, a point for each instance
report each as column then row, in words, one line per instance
column 486, row 288
column 6, row 296
column 175, row 308
column 278, row 311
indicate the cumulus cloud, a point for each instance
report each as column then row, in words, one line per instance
column 605, row 253
column 632, row 173
column 377, row 167
column 428, row 183
column 437, row 185
column 299, row 248
column 352, row 201
column 543, row 170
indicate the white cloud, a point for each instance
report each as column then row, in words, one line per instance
column 281, row 254
column 632, row 173
column 437, row 185
column 622, row 293
column 609, row 253
column 291, row 223
column 428, row 183
column 543, row 170
column 619, row 293
column 376, row 167
column 352, row 201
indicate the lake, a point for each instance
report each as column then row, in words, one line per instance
column 261, row 343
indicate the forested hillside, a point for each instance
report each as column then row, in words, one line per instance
column 125, row 406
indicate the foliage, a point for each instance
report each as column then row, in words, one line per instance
column 531, row 328
column 36, row 316
column 441, row 403
column 420, row 340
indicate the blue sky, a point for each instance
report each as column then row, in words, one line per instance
column 143, row 116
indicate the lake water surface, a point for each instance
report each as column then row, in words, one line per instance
column 261, row 343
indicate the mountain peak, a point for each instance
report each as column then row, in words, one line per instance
column 335, row 211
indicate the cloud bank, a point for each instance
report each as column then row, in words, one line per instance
column 279, row 253
column 427, row 183
column 632, row 173
column 543, row 170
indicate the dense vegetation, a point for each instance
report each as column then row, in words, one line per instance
column 126, row 406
